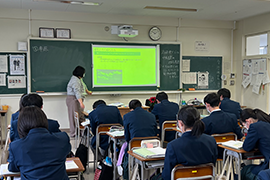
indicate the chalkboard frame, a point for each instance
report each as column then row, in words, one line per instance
column 4, row 89
column 111, row 89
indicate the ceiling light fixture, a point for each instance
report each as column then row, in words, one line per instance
column 81, row 3
column 170, row 9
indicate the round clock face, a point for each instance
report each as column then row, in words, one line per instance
column 155, row 33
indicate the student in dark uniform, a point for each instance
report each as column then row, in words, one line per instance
column 139, row 122
column 31, row 99
column 193, row 147
column 39, row 154
column 258, row 124
column 165, row 110
column 103, row 114
column 228, row 105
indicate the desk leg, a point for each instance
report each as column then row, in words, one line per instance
column 114, row 159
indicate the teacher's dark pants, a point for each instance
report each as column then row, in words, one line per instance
column 73, row 106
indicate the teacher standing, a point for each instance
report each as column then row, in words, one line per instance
column 76, row 92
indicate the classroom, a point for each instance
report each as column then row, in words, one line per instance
column 224, row 32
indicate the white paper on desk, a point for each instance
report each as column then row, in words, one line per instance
column 189, row 78
column 3, row 63
column 71, row 165
column 86, row 122
column 117, row 133
column 186, row 65
column 157, row 150
column 4, row 170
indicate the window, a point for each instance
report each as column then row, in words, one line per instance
column 256, row 45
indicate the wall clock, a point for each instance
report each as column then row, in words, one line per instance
column 155, row 33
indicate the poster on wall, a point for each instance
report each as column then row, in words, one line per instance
column 3, row 63
column 203, row 80
column 17, row 64
column 16, row 82
column 2, row 79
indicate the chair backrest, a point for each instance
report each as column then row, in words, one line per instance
column 220, row 138
column 203, row 171
column 103, row 128
column 136, row 141
column 167, row 126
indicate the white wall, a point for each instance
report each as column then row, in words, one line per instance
column 86, row 26
column 250, row 26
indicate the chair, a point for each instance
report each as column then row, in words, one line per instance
column 204, row 171
column 136, row 142
column 220, row 138
column 167, row 126
column 102, row 129
column 79, row 129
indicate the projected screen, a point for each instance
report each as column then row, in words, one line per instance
column 119, row 66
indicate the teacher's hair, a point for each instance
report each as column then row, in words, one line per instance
column 31, row 117
column 133, row 104
column 190, row 116
column 255, row 114
column 78, row 71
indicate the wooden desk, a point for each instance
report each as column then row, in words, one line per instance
column 115, row 138
column 143, row 162
column 125, row 110
column 78, row 170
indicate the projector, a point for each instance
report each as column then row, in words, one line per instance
column 124, row 31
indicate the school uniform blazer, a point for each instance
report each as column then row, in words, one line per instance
column 14, row 116
column 189, row 150
column 53, row 126
column 230, row 106
column 139, row 123
column 258, row 137
column 103, row 114
column 40, row 155
column 219, row 122
column 264, row 175
column 165, row 111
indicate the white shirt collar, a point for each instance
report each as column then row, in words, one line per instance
column 216, row 110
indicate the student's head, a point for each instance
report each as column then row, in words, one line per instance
column 211, row 101
column 98, row 102
column 133, row 104
column 20, row 103
column 31, row 117
column 79, row 71
column 161, row 96
column 189, row 118
column 249, row 116
column 224, row 93
column 32, row 99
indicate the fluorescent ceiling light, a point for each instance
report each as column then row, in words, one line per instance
column 82, row 3
column 170, row 9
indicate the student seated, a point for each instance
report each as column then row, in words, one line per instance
column 31, row 99
column 228, row 105
column 103, row 114
column 258, row 124
column 193, row 147
column 39, row 154
column 139, row 122
column 218, row 121
column 165, row 110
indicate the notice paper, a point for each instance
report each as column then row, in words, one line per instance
column 186, row 65
column 246, row 81
column 203, row 80
column 3, row 63
column 17, row 64
column 189, row 78
column 2, row 79
column 16, row 82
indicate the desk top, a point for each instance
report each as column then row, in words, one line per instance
column 3, row 111
column 115, row 137
column 144, row 159
column 232, row 149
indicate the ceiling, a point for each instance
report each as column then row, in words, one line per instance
column 207, row 9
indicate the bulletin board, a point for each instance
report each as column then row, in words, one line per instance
column 13, row 73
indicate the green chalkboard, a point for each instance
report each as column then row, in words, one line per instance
column 12, row 77
column 52, row 63
column 212, row 65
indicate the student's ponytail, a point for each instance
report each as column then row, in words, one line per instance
column 198, row 128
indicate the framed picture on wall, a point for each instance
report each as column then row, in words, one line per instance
column 46, row 32
column 63, row 33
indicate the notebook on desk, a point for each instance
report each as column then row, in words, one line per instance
column 150, row 152
column 233, row 144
